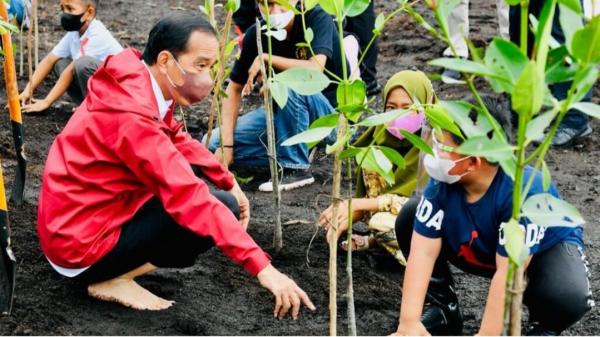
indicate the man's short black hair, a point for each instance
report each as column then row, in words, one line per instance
column 498, row 108
column 172, row 32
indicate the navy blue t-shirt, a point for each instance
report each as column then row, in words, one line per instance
column 472, row 232
column 324, row 42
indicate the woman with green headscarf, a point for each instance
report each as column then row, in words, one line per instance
column 376, row 201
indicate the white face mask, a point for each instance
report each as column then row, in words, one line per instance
column 278, row 23
column 438, row 168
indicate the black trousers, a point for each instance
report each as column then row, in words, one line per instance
column 152, row 236
column 558, row 291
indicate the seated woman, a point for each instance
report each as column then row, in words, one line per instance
column 376, row 199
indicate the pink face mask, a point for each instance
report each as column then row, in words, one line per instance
column 410, row 122
column 195, row 87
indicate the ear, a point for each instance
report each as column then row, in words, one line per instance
column 162, row 60
column 475, row 163
column 90, row 13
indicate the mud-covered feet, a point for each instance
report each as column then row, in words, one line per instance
column 127, row 292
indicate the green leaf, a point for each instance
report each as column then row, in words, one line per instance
column 351, row 94
column 394, row 156
column 528, row 93
column 379, row 23
column 584, row 81
column 234, row 5
column 459, row 111
column 570, row 22
column 373, row 159
column 353, row 111
column 349, row 152
column 229, row 47
column 536, row 127
column 573, row 5
column 304, row 81
column 589, row 109
column 546, row 178
column 514, row 238
column 354, row 8
column 10, row 27
column 546, row 210
column 417, row 141
column 279, row 92
column 310, row 4
column 586, row 42
column 506, row 59
column 509, row 166
column 309, row 136
column 463, row 66
column 328, row 6
column 439, row 118
column 481, row 146
column 383, row 118
column 308, row 35
column 286, row 4
column 330, row 120
column 339, row 144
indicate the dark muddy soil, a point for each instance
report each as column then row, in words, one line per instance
column 218, row 298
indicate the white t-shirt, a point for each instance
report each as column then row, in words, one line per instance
column 96, row 42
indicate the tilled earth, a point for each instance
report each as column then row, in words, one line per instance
column 218, row 298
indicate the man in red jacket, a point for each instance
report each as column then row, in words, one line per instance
column 121, row 194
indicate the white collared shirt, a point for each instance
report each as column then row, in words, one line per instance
column 163, row 105
column 96, row 42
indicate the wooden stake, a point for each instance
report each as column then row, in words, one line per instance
column 35, row 26
column 30, row 54
column 277, row 234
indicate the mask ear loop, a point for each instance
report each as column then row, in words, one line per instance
column 180, row 69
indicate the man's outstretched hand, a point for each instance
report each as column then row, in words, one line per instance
column 288, row 296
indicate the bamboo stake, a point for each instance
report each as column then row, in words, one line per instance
column 277, row 234
column 34, row 5
column 30, row 54
column 350, row 292
column 21, row 60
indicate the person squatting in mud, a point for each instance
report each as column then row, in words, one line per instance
column 125, row 190
column 75, row 58
column 377, row 202
column 460, row 219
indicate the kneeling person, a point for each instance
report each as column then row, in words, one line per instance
column 459, row 220
column 120, row 194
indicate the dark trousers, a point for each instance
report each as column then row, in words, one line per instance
column 361, row 26
column 558, row 292
column 574, row 118
column 152, row 236
column 83, row 68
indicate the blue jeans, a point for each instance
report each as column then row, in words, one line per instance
column 250, row 134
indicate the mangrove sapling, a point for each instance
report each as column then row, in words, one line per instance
column 508, row 69
column 351, row 97
column 220, row 71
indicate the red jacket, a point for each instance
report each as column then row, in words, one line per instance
column 114, row 154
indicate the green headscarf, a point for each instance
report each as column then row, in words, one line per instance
column 418, row 86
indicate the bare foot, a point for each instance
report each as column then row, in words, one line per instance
column 127, row 292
